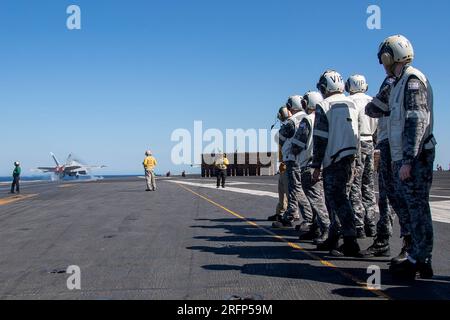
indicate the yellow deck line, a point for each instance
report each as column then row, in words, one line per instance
column 13, row 199
column 295, row 246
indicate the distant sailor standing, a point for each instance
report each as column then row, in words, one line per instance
column 149, row 166
column 16, row 178
column 221, row 165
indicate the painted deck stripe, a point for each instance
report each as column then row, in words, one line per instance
column 295, row 246
column 13, row 199
column 440, row 210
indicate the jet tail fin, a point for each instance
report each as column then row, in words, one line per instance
column 54, row 158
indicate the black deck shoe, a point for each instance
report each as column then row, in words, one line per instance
column 307, row 236
column 351, row 248
column 404, row 253
column 324, row 246
column 379, row 248
column 337, row 252
column 306, row 231
column 332, row 243
column 321, row 238
column 275, row 217
column 425, row 269
column 333, row 246
column 360, row 233
column 404, row 270
column 283, row 224
column 304, row 227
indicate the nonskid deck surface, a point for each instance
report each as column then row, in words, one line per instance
column 188, row 240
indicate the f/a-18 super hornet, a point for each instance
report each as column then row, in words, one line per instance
column 72, row 168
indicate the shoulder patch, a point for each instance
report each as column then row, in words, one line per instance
column 390, row 80
column 413, row 85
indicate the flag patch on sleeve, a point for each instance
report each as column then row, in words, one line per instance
column 413, row 85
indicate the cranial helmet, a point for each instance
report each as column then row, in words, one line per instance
column 311, row 99
column 395, row 49
column 283, row 114
column 356, row 83
column 294, row 103
column 331, row 82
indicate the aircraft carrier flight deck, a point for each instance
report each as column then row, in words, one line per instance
column 188, row 240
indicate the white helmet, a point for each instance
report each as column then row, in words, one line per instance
column 331, row 82
column 356, row 83
column 17, row 163
column 395, row 49
column 294, row 103
column 311, row 99
column 148, row 153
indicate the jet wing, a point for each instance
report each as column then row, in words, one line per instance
column 72, row 168
column 47, row 169
column 94, row 167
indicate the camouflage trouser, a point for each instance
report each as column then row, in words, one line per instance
column 387, row 193
column 282, row 194
column 315, row 195
column 417, row 196
column 402, row 211
column 336, row 183
column 297, row 200
column 362, row 193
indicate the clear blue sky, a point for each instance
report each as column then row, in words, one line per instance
column 140, row 69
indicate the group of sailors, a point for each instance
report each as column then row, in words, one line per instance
column 328, row 141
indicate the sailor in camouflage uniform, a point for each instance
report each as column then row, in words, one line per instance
column 412, row 147
column 298, row 204
column 388, row 194
column 302, row 145
column 336, row 144
column 362, row 194
column 282, row 204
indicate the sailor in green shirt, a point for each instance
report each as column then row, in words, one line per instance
column 16, row 178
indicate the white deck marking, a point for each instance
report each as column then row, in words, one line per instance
column 233, row 183
column 229, row 189
column 440, row 210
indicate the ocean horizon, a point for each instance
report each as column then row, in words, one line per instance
column 49, row 177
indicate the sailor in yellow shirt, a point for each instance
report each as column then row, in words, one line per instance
column 221, row 165
column 149, row 166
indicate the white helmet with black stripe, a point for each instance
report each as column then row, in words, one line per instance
column 311, row 99
column 283, row 114
column 331, row 82
column 395, row 49
column 294, row 103
column 356, row 84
